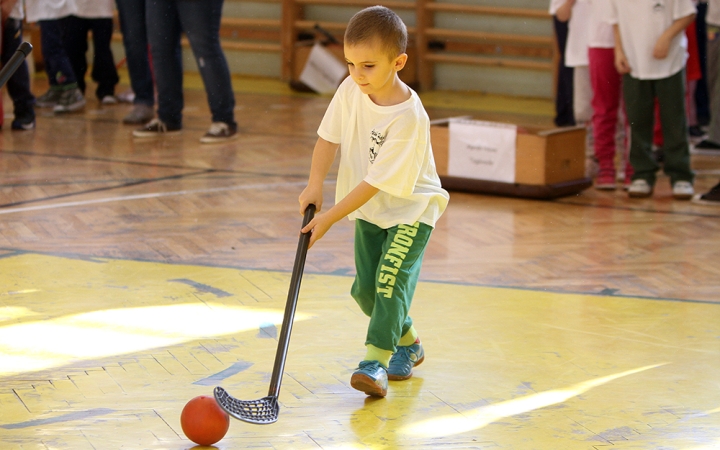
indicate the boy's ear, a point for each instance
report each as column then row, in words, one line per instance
column 400, row 62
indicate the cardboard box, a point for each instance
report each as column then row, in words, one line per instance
column 545, row 157
column 302, row 53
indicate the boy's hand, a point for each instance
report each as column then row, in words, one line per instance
column 311, row 195
column 621, row 62
column 662, row 47
column 319, row 226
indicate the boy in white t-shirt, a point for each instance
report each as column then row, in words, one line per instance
column 387, row 183
column 650, row 50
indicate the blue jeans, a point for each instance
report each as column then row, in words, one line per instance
column 57, row 63
column 200, row 20
column 18, row 85
column 135, row 41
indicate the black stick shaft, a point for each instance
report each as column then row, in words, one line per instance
column 14, row 62
column 293, row 292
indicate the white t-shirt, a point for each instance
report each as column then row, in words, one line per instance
column 601, row 32
column 576, row 48
column 57, row 9
column 389, row 148
column 713, row 13
column 641, row 23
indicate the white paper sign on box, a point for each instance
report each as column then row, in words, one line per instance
column 482, row 150
column 323, row 72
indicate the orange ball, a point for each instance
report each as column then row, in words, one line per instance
column 203, row 421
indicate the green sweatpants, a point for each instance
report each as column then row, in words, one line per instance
column 387, row 262
column 640, row 98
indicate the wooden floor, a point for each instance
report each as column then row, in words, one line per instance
column 137, row 274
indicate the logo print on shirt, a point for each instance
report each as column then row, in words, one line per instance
column 377, row 141
column 658, row 5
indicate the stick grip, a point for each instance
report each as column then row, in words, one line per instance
column 14, row 62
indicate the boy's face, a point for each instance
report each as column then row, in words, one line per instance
column 372, row 69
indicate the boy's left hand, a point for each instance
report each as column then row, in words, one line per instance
column 320, row 224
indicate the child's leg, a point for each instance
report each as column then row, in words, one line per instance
column 671, row 98
column 19, row 83
column 606, row 101
column 388, row 265
column 103, row 71
column 57, row 64
column 639, row 106
column 75, row 34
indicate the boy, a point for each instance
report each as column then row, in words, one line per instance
column 650, row 52
column 387, row 184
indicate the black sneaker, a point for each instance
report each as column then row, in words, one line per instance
column 156, row 128
column 696, row 131
column 220, row 132
column 711, row 197
column 70, row 100
column 23, row 124
column 707, row 145
column 50, row 98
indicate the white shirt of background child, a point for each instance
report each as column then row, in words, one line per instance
column 641, row 23
column 576, row 53
column 601, row 32
column 389, row 148
column 713, row 13
column 57, row 9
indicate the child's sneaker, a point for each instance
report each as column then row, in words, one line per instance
column 156, row 128
column 219, row 132
column 50, row 98
column 403, row 361
column 23, row 124
column 605, row 181
column 371, row 378
column 711, row 197
column 683, row 190
column 70, row 100
column 640, row 189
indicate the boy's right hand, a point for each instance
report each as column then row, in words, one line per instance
column 621, row 62
column 311, row 195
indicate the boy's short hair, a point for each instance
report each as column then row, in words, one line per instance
column 378, row 22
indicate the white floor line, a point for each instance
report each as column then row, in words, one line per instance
column 152, row 195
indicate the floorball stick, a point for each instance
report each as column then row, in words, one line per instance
column 266, row 410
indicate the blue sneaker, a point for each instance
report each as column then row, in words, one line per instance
column 371, row 378
column 403, row 361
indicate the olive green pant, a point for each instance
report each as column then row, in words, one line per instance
column 387, row 262
column 640, row 98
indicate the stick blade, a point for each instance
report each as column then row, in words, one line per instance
column 260, row 412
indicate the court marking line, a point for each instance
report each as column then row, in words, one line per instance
column 149, row 196
column 15, row 252
column 106, row 188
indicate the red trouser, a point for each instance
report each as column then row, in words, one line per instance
column 606, row 84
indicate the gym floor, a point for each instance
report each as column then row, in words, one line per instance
column 138, row 274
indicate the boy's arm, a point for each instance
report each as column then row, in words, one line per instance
column 662, row 46
column 322, row 159
column 354, row 200
column 564, row 13
column 621, row 62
